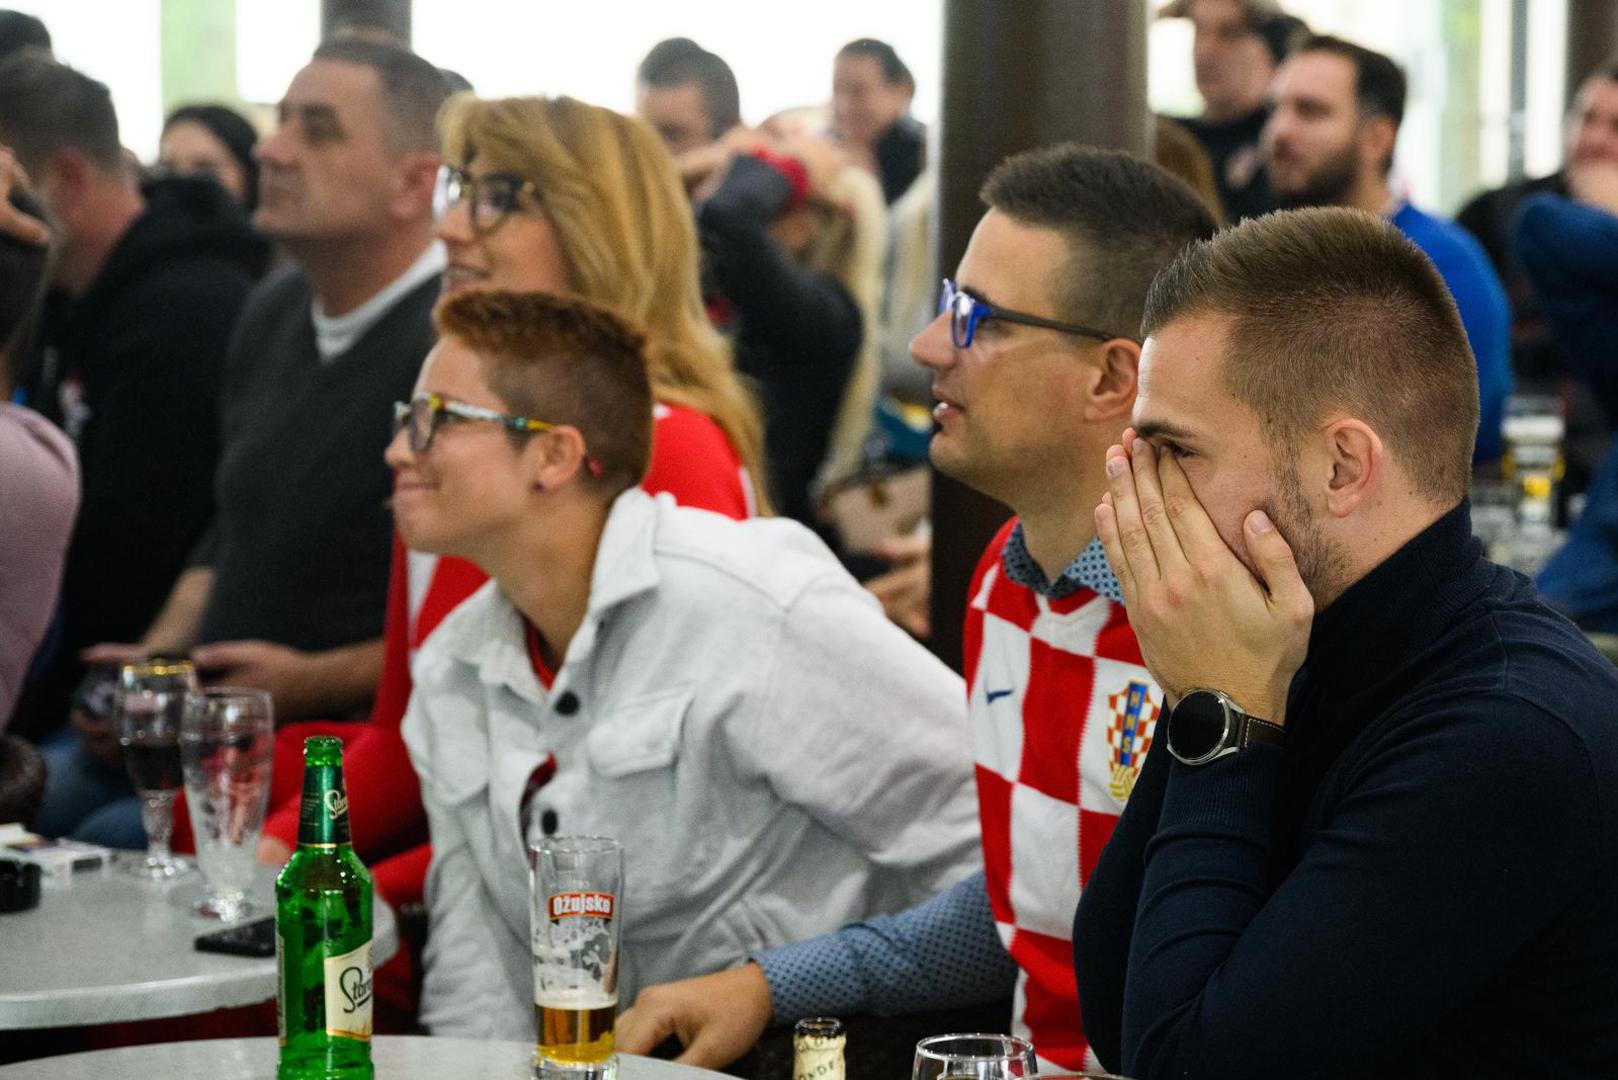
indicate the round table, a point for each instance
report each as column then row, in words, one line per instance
column 105, row 947
column 396, row 1057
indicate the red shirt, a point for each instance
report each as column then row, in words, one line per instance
column 691, row 460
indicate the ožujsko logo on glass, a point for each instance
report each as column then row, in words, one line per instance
column 567, row 905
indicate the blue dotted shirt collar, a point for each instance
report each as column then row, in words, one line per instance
column 1089, row 570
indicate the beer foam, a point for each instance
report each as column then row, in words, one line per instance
column 583, row 997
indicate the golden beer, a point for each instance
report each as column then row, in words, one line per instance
column 574, row 1029
column 575, row 926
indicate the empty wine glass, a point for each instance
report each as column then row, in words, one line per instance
column 150, row 702
column 227, row 741
column 973, row 1057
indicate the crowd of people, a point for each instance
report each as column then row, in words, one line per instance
column 1258, row 766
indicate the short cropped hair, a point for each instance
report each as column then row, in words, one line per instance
column 1379, row 83
column 564, row 362
column 1332, row 310
column 680, row 62
column 412, row 89
column 894, row 71
column 47, row 107
column 19, row 30
column 1124, row 219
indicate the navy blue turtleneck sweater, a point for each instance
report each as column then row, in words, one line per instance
column 1422, row 883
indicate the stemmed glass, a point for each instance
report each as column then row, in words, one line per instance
column 973, row 1057
column 150, row 701
column 227, row 741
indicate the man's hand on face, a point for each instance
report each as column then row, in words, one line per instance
column 716, row 1017
column 1595, row 184
column 1202, row 619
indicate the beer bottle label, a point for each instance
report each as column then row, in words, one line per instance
column 816, row 1058
column 348, row 994
column 323, row 813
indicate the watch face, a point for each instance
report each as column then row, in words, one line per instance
column 1197, row 726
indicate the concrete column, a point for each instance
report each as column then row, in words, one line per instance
column 1018, row 76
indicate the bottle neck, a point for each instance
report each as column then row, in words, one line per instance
column 323, row 817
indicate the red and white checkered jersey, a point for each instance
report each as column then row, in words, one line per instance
column 1062, row 711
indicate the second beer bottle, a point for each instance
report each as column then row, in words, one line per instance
column 323, row 933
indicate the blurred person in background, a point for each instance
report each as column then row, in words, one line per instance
column 553, row 195
column 1061, row 707
column 699, row 688
column 1177, row 151
column 151, row 279
column 871, row 92
column 1330, row 142
column 1568, row 247
column 687, row 94
column 1539, row 348
column 287, row 590
column 793, row 238
column 215, row 141
column 39, row 476
column 1236, row 47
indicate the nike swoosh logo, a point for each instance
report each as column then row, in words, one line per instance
column 995, row 695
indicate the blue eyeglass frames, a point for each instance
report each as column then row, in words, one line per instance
column 967, row 311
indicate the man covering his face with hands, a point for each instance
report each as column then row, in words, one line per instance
column 1378, row 833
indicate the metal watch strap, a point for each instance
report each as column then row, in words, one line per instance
column 1255, row 731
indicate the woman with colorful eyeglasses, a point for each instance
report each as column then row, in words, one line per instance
column 721, row 697
column 554, row 195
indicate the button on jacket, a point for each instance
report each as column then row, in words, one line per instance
column 776, row 757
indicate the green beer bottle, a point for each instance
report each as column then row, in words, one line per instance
column 323, row 933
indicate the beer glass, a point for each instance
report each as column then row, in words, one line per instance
column 149, row 703
column 973, row 1057
column 227, row 740
column 576, row 884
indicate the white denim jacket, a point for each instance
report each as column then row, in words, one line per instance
column 775, row 756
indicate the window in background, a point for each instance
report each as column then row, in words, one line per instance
column 1456, row 52
column 117, row 43
column 590, row 51
column 1456, row 55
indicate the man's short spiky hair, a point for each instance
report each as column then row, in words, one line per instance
column 412, row 89
column 1124, row 219
column 1334, row 310
column 47, row 107
column 564, row 362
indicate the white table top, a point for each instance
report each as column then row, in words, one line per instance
column 107, row 948
column 396, row 1057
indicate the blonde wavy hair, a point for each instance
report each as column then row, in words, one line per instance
column 850, row 247
column 625, row 228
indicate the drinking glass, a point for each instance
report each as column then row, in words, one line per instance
column 973, row 1057
column 149, row 704
column 227, row 741
column 576, row 884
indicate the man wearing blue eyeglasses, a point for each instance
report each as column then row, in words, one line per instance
column 1034, row 358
